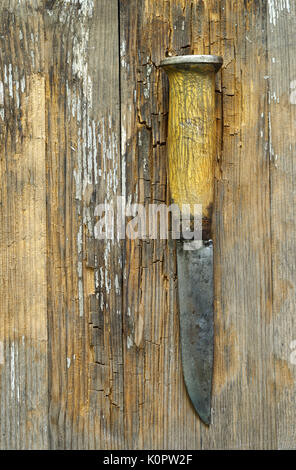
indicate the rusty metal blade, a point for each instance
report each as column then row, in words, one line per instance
column 195, row 283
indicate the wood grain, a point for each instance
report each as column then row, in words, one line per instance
column 192, row 137
column 89, row 329
column 84, row 277
column 23, row 296
column 282, row 119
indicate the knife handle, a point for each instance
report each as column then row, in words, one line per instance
column 192, row 132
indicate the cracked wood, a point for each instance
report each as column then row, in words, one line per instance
column 89, row 336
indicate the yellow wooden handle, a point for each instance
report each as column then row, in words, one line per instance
column 192, row 131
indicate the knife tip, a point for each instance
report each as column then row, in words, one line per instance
column 204, row 412
column 206, row 419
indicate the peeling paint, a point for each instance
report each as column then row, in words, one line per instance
column 276, row 7
column 1, row 100
column 129, row 342
column 10, row 89
column 80, row 272
column 23, row 83
column 108, row 282
column 293, row 92
column 122, row 54
column 117, row 287
column 1, row 94
column 146, row 90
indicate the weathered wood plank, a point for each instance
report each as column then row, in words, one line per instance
column 23, row 304
column 243, row 396
column 281, row 75
column 244, row 402
column 151, row 355
column 84, row 303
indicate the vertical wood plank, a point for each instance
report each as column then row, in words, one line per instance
column 23, row 304
column 243, row 398
column 281, row 47
column 84, row 274
column 244, row 402
column 151, row 356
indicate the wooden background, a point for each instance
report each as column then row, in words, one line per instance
column 89, row 335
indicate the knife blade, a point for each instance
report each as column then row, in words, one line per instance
column 195, row 280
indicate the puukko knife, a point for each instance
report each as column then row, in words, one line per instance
column 191, row 156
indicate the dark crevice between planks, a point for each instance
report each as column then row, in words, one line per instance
column 123, row 242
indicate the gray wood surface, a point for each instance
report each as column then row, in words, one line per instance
column 281, row 47
column 23, row 289
column 89, row 329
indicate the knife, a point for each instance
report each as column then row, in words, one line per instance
column 191, row 156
